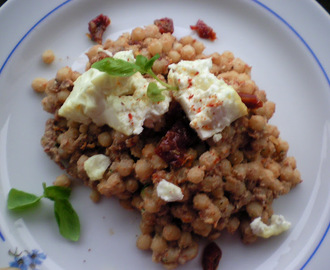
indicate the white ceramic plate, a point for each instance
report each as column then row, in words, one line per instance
column 287, row 43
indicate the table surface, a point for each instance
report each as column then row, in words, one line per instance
column 324, row 3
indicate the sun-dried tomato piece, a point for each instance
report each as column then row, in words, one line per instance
column 172, row 147
column 165, row 25
column 251, row 101
column 97, row 26
column 203, row 30
column 211, row 256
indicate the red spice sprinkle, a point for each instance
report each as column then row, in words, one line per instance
column 207, row 127
column 189, row 82
column 214, row 104
column 191, row 96
column 203, row 30
column 97, row 26
column 130, row 117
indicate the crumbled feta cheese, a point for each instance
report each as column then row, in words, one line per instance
column 278, row 224
column 104, row 51
column 96, row 165
column 119, row 102
column 217, row 137
column 125, row 55
column 168, row 191
column 209, row 103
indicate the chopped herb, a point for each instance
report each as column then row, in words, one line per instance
column 56, row 192
column 154, row 93
column 19, row 200
column 66, row 217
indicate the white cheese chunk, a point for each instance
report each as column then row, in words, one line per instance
column 119, row 102
column 209, row 103
column 108, row 53
column 168, row 191
column 278, row 224
column 96, row 165
column 125, row 55
column 217, row 137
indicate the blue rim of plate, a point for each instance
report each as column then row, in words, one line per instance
column 255, row 1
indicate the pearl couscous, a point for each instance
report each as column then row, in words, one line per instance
column 225, row 183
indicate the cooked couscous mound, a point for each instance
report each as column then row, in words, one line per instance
column 225, row 183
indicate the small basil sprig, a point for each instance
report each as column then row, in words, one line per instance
column 66, row 217
column 120, row 68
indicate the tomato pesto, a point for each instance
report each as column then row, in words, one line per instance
column 97, row 26
column 251, row 101
column 165, row 25
column 203, row 30
column 176, row 142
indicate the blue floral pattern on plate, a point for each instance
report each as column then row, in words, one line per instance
column 2, row 237
column 26, row 260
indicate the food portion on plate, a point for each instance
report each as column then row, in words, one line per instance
column 179, row 135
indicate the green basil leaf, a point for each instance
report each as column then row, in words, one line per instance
column 154, row 93
column 18, row 200
column 151, row 61
column 141, row 62
column 116, row 67
column 67, row 220
column 144, row 64
column 56, row 192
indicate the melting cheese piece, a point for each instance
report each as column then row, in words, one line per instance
column 119, row 102
column 278, row 224
column 209, row 103
column 96, row 165
column 168, row 191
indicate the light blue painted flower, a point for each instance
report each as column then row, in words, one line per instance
column 22, row 263
column 37, row 257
